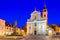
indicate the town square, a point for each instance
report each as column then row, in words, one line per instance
column 30, row 20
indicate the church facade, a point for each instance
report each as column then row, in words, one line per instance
column 37, row 23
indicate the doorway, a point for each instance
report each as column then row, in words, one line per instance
column 35, row 32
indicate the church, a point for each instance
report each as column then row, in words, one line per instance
column 37, row 23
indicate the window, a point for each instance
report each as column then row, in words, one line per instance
column 35, row 17
column 35, row 24
column 41, row 26
column 44, row 15
column 29, row 28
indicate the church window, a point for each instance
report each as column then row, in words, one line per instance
column 35, row 17
column 41, row 26
column 29, row 27
column 35, row 25
column 44, row 15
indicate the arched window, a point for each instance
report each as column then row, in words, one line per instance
column 35, row 17
column 44, row 15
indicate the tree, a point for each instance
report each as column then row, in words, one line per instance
column 54, row 26
column 25, row 28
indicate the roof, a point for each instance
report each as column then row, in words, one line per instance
column 8, row 24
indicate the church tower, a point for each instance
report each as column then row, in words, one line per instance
column 45, row 12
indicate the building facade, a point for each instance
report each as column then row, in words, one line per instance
column 37, row 23
column 8, row 28
column 2, row 27
column 13, row 29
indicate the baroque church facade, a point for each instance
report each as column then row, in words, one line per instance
column 37, row 23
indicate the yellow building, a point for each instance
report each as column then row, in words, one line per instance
column 2, row 27
column 59, row 29
column 18, row 31
column 8, row 28
column 50, row 32
column 55, row 27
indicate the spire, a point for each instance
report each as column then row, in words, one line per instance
column 44, row 10
column 44, row 5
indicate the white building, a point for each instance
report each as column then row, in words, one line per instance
column 37, row 23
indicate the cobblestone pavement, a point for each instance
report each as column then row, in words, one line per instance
column 33, row 38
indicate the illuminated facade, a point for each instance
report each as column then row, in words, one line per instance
column 2, row 27
column 37, row 24
column 8, row 28
column 13, row 29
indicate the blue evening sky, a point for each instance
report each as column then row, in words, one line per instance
column 21, row 10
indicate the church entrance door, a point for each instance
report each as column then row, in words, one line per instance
column 35, row 32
